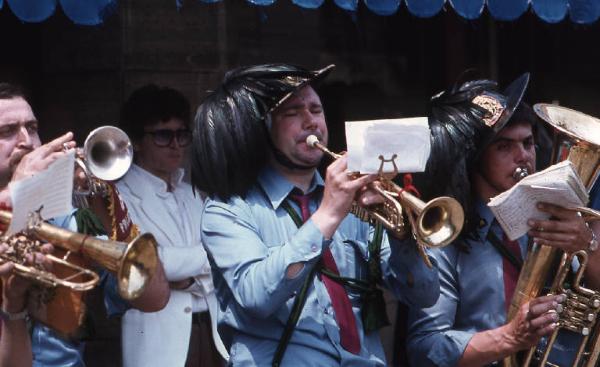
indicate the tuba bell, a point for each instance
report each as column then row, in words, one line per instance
column 576, row 138
column 433, row 224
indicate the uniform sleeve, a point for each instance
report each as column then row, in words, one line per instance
column 406, row 275
column 182, row 262
column 432, row 337
column 254, row 272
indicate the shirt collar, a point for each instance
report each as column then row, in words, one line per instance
column 277, row 187
column 156, row 183
column 485, row 217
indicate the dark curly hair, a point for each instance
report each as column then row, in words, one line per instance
column 149, row 105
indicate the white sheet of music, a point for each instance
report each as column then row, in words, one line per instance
column 407, row 138
column 558, row 185
column 50, row 190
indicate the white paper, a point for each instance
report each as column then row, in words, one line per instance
column 558, row 184
column 51, row 190
column 408, row 139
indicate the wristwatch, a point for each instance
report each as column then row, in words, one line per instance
column 9, row 316
column 593, row 245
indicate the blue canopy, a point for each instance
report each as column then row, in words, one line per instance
column 83, row 12
column 93, row 12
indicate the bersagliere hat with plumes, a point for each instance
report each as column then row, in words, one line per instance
column 463, row 121
column 231, row 139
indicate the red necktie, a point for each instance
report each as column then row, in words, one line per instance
column 511, row 273
column 342, row 307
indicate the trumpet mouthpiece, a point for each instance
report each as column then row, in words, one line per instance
column 312, row 141
column 520, row 173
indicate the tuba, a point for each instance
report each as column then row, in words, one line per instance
column 576, row 138
column 433, row 224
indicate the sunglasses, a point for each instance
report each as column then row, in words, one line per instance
column 164, row 137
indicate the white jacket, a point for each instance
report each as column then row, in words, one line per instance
column 162, row 338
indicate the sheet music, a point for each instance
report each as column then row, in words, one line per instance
column 559, row 185
column 50, row 190
column 407, row 138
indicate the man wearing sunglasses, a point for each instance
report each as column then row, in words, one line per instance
column 157, row 121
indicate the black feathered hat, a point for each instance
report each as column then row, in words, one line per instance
column 463, row 121
column 231, row 140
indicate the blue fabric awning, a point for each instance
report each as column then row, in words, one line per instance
column 83, row 12
column 93, row 12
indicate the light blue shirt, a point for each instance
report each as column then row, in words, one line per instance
column 252, row 241
column 471, row 300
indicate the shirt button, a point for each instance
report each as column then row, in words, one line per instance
column 314, row 248
column 187, row 310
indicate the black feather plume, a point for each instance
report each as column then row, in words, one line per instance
column 231, row 139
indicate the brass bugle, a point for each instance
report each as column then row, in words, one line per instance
column 133, row 263
column 434, row 224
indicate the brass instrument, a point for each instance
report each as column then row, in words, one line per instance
column 133, row 263
column 433, row 224
column 576, row 138
column 107, row 155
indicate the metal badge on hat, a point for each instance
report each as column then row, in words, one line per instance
column 493, row 107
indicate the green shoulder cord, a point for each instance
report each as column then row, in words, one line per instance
column 88, row 223
column 299, row 301
column 373, row 312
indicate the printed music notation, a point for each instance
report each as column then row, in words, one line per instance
column 558, row 184
column 49, row 192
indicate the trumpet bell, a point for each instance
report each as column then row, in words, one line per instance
column 440, row 221
column 108, row 153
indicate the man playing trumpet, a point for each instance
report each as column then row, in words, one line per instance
column 281, row 243
column 19, row 139
column 483, row 142
column 21, row 156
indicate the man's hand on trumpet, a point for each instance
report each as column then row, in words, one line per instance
column 340, row 191
column 14, row 287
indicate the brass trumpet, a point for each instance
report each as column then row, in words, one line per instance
column 133, row 263
column 433, row 224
